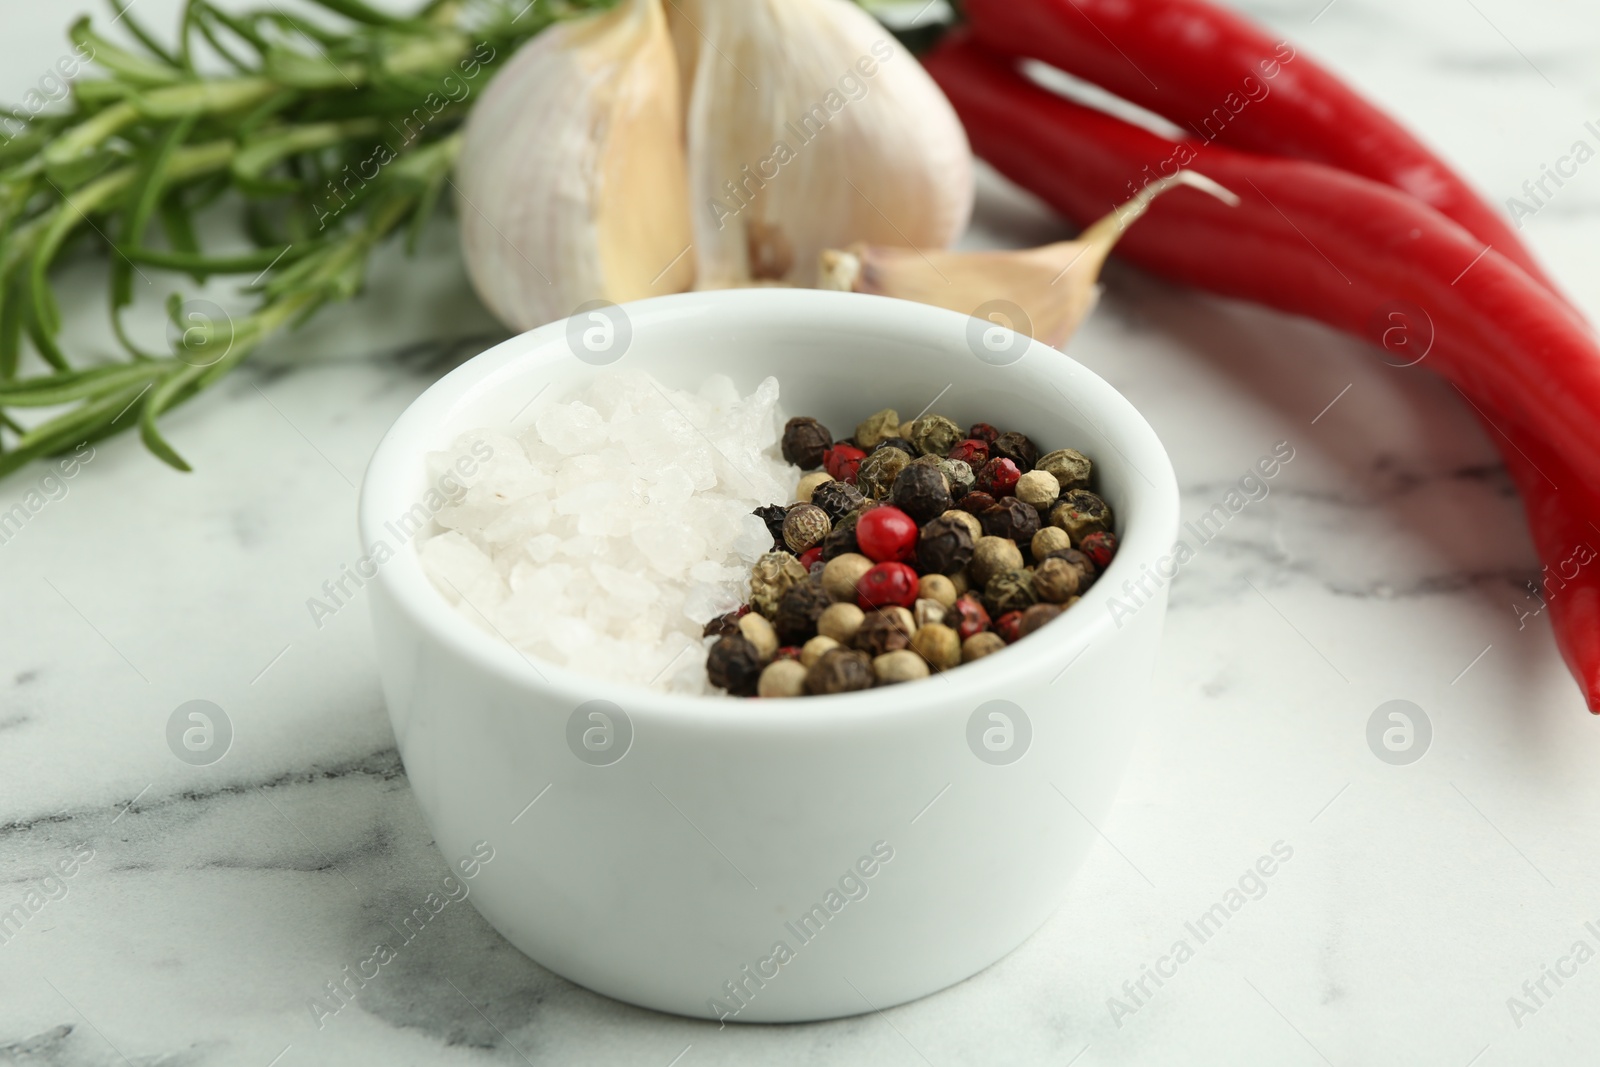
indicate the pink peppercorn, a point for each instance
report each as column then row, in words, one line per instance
column 973, row 452
column 1099, row 546
column 998, row 477
column 1006, row 626
column 885, row 533
column 887, row 585
column 970, row 616
column 841, row 462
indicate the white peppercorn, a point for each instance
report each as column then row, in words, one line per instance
column 841, row 573
column 1037, row 489
column 901, row 665
column 1071, row 468
column 1049, row 539
column 980, row 645
column 938, row 644
column 926, row 612
column 782, row 678
column 808, row 485
column 759, row 632
column 840, row 622
column 813, row 649
column 938, row 588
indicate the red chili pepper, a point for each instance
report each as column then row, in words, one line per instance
column 1296, row 224
column 1221, row 76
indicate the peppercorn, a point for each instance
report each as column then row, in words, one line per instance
column 782, row 678
column 840, row 670
column 840, row 622
column 842, row 460
column 837, row 498
column 1047, row 540
column 876, row 475
column 805, row 526
column 734, row 664
column 773, row 515
column 972, row 452
column 938, row 588
column 1071, row 468
column 980, row 645
column 884, row 631
column 842, row 541
column 896, row 442
column 1010, row 591
column 959, row 580
column 982, row 431
column 1006, row 626
column 944, row 546
column 1038, row 489
column 1011, row 518
column 1099, row 546
column 1087, row 571
column 808, row 486
column 967, row 519
column 934, row 435
column 938, row 644
column 759, row 632
column 960, row 475
column 901, row 665
column 787, row 652
column 1081, row 512
column 992, row 556
column 998, row 477
column 926, row 612
column 1017, row 448
column 773, row 575
column 723, row 625
column 815, row 648
column 976, row 502
column 804, row 442
column 1054, row 580
column 886, row 533
column 875, row 427
column 841, row 574
column 886, row 584
column 970, row 616
column 799, row 610
column 921, row 492
column 1035, row 617
column 811, row 558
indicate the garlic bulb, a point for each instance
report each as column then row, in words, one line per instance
column 572, row 180
column 1055, row 286
column 810, row 127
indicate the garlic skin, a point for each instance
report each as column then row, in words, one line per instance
column 810, row 127
column 1055, row 286
column 572, row 177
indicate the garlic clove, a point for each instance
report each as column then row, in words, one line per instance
column 1055, row 285
column 572, row 179
column 810, row 126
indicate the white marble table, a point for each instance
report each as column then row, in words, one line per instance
column 1388, row 563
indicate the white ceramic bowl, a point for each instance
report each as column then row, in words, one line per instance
column 668, row 877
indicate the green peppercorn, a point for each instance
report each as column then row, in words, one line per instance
column 875, row 477
column 933, row 435
column 773, row 575
column 838, row 499
column 1009, row 591
column 921, row 492
column 1081, row 512
column 734, row 664
column 980, row 645
column 804, row 441
column 1071, row 468
column 799, row 611
column 805, row 526
column 840, row 670
column 960, row 475
column 874, row 428
column 898, row 442
column 938, row 644
column 1055, row 580
column 1087, row 571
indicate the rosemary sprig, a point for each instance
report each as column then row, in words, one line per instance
column 328, row 139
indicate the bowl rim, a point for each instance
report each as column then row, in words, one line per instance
column 401, row 449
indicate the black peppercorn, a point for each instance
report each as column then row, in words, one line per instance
column 884, row 631
column 982, row 431
column 944, row 546
column 838, row 499
column 773, row 515
column 976, row 502
column 839, row 670
column 799, row 610
column 723, row 625
column 921, row 492
column 842, row 541
column 804, row 441
column 898, row 442
column 876, row 475
column 1035, row 617
column 734, row 664
column 1009, row 591
column 1011, row 518
column 1017, row 448
column 1087, row 571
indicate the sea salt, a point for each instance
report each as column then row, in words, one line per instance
column 604, row 535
